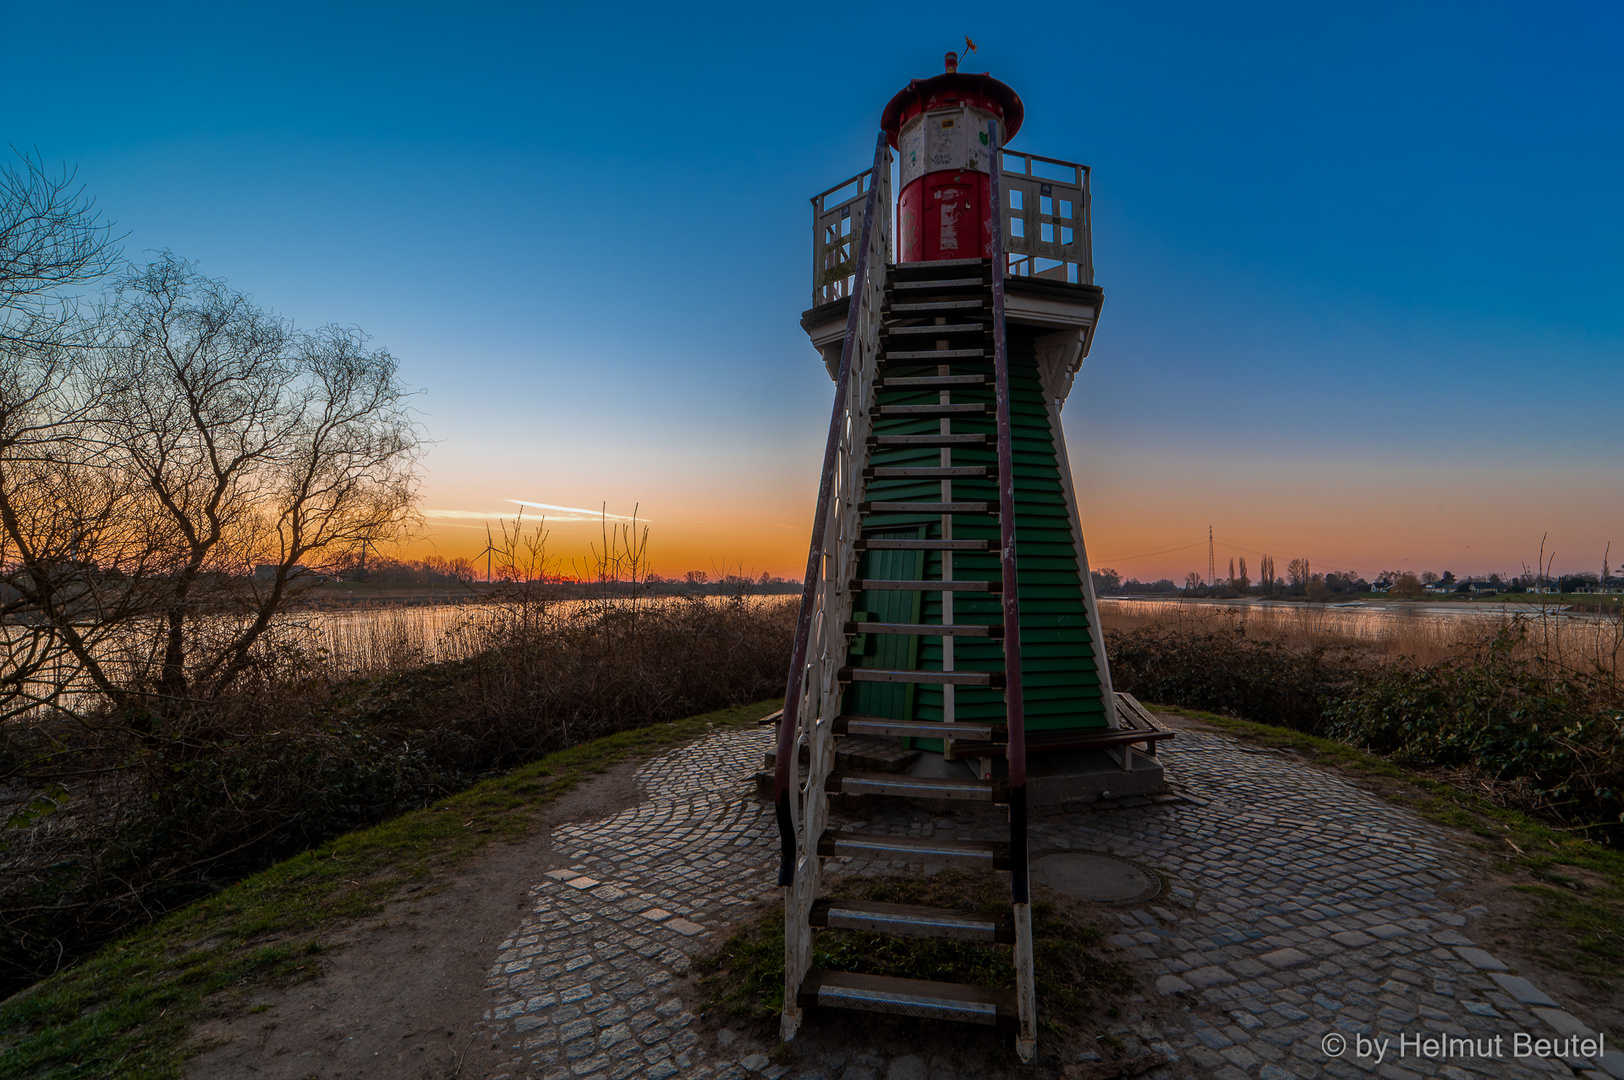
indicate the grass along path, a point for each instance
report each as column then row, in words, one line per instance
column 129, row 1010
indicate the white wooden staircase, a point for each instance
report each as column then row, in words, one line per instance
column 913, row 330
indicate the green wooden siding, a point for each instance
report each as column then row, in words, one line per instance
column 1062, row 684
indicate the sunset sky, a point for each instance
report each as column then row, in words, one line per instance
column 1363, row 266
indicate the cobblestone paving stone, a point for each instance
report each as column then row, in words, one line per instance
column 1299, row 909
column 584, row 986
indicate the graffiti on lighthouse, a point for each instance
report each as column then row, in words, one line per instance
column 952, row 202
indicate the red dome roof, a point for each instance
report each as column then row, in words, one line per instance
column 949, row 89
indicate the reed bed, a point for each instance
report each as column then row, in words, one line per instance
column 1528, row 705
column 1575, row 641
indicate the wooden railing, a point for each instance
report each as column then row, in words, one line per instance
column 1014, row 704
column 812, row 698
column 1046, row 226
column 836, row 241
column 1046, row 222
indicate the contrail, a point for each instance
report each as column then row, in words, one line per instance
column 573, row 510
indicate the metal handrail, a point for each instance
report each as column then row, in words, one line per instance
column 1014, row 705
column 788, row 750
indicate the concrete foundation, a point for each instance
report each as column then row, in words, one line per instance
column 1057, row 777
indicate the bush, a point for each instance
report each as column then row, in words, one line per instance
column 1521, row 721
column 1224, row 671
column 158, row 811
column 1550, row 738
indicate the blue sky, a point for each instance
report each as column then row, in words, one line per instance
column 1364, row 290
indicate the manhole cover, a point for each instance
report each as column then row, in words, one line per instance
column 1090, row 876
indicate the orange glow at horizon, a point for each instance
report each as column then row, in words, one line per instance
column 1148, row 521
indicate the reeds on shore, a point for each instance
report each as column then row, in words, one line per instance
column 1530, row 706
column 1572, row 640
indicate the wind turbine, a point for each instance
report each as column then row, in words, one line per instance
column 489, row 548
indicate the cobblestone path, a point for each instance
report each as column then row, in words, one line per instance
column 1306, row 921
column 584, row 987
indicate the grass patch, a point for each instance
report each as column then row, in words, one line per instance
column 1577, row 885
column 744, row 979
column 127, row 1010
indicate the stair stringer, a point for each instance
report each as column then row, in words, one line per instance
column 815, row 686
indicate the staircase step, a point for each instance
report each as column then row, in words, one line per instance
column 1074, row 739
column 929, row 412
column 928, row 441
column 931, row 472
column 934, row 354
column 982, row 854
column 900, row 785
column 924, row 545
column 873, row 754
column 860, row 752
column 912, row 920
column 925, row 508
column 925, row 629
column 956, row 1002
column 926, row 329
column 936, row 678
column 918, row 265
column 930, row 382
column 934, row 307
column 931, row 586
column 940, row 283
column 857, row 724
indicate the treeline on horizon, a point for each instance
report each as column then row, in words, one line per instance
column 437, row 570
column 1301, row 581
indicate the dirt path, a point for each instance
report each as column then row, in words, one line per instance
column 1299, row 901
column 400, row 994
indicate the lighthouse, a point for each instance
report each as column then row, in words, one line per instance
column 948, row 651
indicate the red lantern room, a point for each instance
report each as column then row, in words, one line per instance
column 939, row 129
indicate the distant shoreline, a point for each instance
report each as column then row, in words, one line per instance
column 363, row 594
column 1502, row 604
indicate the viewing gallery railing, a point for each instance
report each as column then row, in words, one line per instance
column 1047, row 229
column 836, row 224
column 1045, row 216
column 812, row 698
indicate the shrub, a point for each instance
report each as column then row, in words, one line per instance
column 1505, row 707
column 1514, row 718
column 154, row 816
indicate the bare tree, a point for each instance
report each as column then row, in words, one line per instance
column 203, row 437
column 1298, row 572
column 52, row 245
